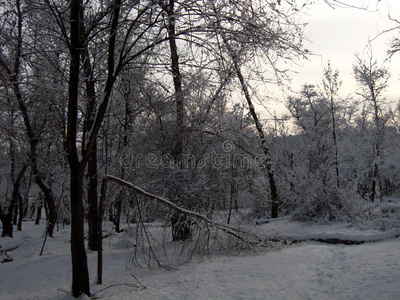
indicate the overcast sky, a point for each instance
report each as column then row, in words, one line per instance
column 337, row 34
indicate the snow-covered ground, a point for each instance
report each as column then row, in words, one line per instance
column 307, row 270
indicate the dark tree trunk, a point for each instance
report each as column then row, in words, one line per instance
column 177, row 78
column 21, row 211
column 100, row 233
column 24, row 202
column 118, row 211
column 7, row 226
column 111, row 212
column 180, row 227
column 92, row 202
column 38, row 213
column 232, row 199
column 373, row 191
column 6, row 222
column 15, row 212
column 7, row 218
column 80, row 274
column 51, row 207
column 92, row 214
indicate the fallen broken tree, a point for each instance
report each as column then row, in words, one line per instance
column 207, row 229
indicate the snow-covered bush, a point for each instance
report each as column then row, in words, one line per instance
column 319, row 203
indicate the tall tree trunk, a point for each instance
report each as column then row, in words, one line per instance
column 267, row 161
column 120, row 197
column 180, row 226
column 80, row 273
column 92, row 197
column 177, row 79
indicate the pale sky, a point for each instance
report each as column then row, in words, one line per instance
column 337, row 34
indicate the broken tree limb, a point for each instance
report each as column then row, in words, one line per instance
column 245, row 236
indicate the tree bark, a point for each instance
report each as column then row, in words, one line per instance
column 100, row 233
column 92, row 197
column 92, row 202
column 118, row 210
column 23, row 207
column 180, row 227
column 80, row 273
column 6, row 221
column 20, row 212
column 177, row 79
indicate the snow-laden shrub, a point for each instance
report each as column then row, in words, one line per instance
column 321, row 204
column 382, row 215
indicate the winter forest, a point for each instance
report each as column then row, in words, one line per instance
column 140, row 157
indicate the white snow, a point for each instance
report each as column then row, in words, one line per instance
column 308, row 270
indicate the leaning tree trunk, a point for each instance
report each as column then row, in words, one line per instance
column 267, row 163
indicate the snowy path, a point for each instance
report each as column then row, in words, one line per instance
column 309, row 271
column 302, row 271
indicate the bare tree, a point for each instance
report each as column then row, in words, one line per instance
column 373, row 81
column 258, row 36
column 331, row 86
column 15, row 75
